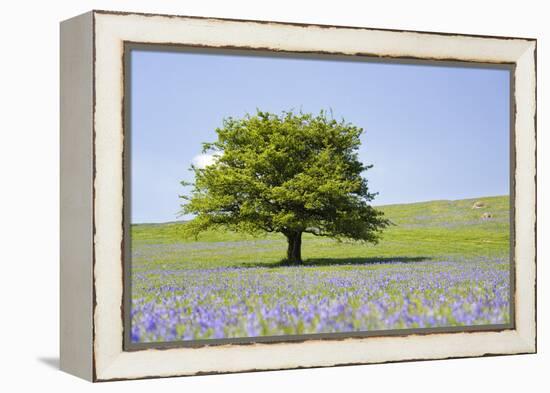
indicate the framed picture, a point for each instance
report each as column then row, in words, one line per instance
column 245, row 195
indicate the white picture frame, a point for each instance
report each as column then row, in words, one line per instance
column 92, row 194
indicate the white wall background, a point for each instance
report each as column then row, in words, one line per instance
column 29, row 184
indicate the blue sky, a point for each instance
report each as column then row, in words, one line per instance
column 432, row 132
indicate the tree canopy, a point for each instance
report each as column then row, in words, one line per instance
column 291, row 173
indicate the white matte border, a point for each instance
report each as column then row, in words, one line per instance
column 111, row 30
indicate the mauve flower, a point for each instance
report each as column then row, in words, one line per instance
column 171, row 305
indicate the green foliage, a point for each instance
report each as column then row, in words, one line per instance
column 290, row 173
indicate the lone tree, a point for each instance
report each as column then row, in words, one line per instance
column 292, row 173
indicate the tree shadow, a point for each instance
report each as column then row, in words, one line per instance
column 339, row 261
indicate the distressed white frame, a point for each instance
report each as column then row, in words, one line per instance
column 108, row 359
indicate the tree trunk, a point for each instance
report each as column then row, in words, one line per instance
column 294, row 251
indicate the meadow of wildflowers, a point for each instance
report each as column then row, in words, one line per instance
column 226, row 286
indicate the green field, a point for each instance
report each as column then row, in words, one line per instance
column 441, row 263
column 425, row 230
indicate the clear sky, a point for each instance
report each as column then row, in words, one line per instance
column 432, row 132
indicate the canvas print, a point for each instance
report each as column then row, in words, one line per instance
column 275, row 196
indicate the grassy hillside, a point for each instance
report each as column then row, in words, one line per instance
column 441, row 264
column 421, row 231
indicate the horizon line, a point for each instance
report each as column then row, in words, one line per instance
column 385, row 205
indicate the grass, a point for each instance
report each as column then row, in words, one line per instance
column 427, row 230
column 440, row 264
